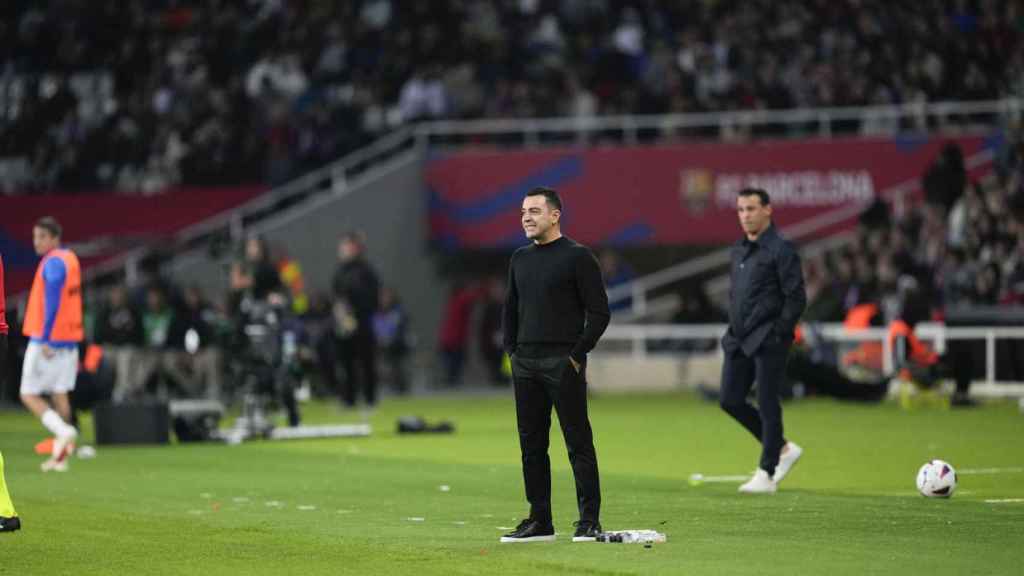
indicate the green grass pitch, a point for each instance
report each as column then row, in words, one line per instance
column 376, row 506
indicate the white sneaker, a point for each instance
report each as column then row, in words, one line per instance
column 761, row 483
column 791, row 453
column 53, row 465
column 63, row 446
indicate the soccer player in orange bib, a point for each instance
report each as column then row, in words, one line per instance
column 53, row 325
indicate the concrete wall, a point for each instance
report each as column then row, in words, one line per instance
column 390, row 208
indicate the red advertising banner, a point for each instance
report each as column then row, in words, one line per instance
column 100, row 226
column 679, row 194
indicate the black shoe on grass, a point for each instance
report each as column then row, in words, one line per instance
column 586, row 531
column 531, row 530
column 9, row 524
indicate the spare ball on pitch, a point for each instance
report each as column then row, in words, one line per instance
column 936, row 479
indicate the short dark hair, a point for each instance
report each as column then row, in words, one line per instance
column 765, row 198
column 354, row 236
column 50, row 224
column 552, row 197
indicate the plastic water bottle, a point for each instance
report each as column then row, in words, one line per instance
column 645, row 537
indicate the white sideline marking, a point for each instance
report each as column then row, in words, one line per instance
column 240, row 499
column 415, row 519
column 1011, row 470
column 345, row 511
column 444, row 488
column 274, row 504
column 1005, row 501
column 306, row 507
column 505, row 527
column 459, row 522
column 700, row 478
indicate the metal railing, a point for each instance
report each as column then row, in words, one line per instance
column 638, row 336
column 918, row 116
column 334, row 178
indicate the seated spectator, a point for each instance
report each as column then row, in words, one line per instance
column 119, row 330
column 157, row 318
column 193, row 357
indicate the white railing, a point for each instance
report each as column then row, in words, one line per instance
column 922, row 116
column 639, row 335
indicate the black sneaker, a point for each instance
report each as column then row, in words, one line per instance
column 9, row 524
column 960, row 400
column 586, row 531
column 531, row 530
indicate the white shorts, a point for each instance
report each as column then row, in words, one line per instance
column 53, row 375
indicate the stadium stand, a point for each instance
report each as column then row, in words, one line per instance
column 146, row 95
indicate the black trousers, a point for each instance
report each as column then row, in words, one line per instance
column 767, row 367
column 358, row 356
column 541, row 383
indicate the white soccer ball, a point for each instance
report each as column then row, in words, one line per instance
column 936, row 479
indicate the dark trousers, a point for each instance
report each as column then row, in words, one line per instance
column 358, row 355
column 739, row 372
column 541, row 383
column 454, row 360
column 959, row 360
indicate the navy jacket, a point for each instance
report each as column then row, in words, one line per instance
column 767, row 294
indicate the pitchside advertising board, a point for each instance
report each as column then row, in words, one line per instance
column 678, row 194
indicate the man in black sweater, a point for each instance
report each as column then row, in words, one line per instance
column 766, row 299
column 556, row 309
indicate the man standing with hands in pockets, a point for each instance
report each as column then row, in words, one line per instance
column 556, row 309
column 766, row 299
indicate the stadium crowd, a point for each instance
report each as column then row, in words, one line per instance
column 962, row 246
column 143, row 95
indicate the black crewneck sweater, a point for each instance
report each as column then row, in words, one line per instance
column 556, row 301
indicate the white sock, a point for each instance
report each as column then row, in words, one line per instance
column 54, row 423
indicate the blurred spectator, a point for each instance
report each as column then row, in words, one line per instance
column 846, row 286
column 156, row 325
column 254, row 275
column 193, row 358
column 289, row 270
column 823, row 304
column 616, row 273
column 356, row 293
column 391, row 328
column 453, row 338
column 695, row 307
column 490, row 335
column 119, row 331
